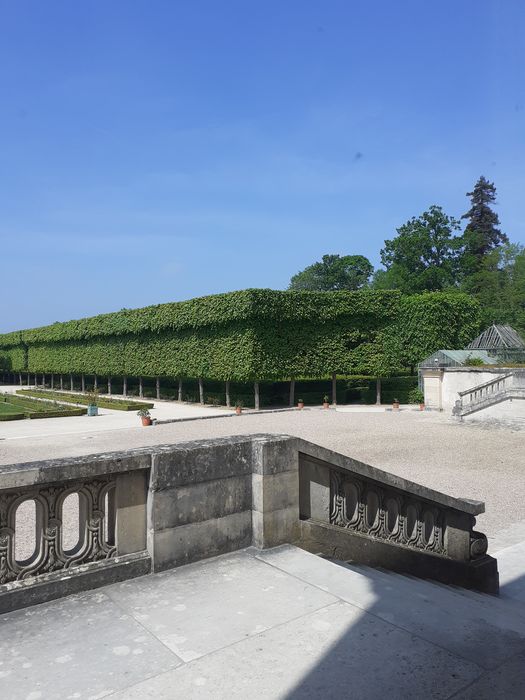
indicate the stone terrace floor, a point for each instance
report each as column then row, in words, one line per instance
column 275, row 624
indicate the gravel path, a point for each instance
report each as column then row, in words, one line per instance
column 465, row 460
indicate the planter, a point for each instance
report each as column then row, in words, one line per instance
column 238, row 410
column 92, row 410
column 421, row 406
column 146, row 420
column 395, row 406
column 326, row 404
column 300, row 404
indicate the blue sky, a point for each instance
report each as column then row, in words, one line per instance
column 153, row 151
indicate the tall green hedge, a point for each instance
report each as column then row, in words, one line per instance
column 241, row 336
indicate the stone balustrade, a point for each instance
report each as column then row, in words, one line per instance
column 152, row 509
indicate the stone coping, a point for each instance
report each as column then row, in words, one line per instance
column 20, row 475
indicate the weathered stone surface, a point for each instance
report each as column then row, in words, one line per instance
column 200, row 540
column 183, row 505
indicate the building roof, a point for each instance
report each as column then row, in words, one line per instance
column 456, row 358
column 498, row 338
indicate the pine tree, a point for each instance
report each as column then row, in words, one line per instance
column 482, row 234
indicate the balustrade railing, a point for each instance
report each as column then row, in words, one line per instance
column 510, row 385
column 90, row 536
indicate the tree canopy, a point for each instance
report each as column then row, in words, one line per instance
column 334, row 273
column 423, row 256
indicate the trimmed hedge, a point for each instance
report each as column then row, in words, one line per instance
column 116, row 404
column 250, row 335
column 66, row 413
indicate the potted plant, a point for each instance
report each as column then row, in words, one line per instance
column 92, row 409
column 238, row 408
column 300, row 403
column 417, row 396
column 145, row 416
column 326, row 401
column 395, row 405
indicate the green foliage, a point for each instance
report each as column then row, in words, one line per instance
column 333, row 273
column 423, row 256
column 253, row 335
column 415, row 395
column 428, row 322
column 473, row 362
column 481, row 235
column 114, row 404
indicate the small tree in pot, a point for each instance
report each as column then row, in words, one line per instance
column 145, row 416
column 300, row 403
column 238, row 408
column 417, row 396
column 326, row 401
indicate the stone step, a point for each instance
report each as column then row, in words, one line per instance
column 511, row 566
column 475, row 630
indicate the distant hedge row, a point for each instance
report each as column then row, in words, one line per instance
column 249, row 335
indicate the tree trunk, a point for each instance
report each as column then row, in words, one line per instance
column 201, row 391
column 292, row 393
column 43, row 381
column 228, row 403
column 179, row 394
column 71, row 381
column 257, row 397
column 61, row 383
column 83, row 380
column 20, row 378
column 52, row 381
column 125, row 386
column 378, row 391
column 141, row 388
column 334, row 389
column 158, row 388
column 95, row 382
column 109, row 386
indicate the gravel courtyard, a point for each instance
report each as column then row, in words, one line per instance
column 465, row 460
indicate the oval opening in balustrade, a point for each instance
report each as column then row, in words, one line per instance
column 411, row 521
column 109, row 517
column 351, row 502
column 372, row 508
column 72, row 532
column 392, row 515
column 428, row 527
column 27, row 532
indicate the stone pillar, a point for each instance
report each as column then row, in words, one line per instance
column 125, row 386
column 179, row 395
column 157, row 386
column 334, row 389
column 228, row 402
column 292, row 392
column 141, row 388
column 378, row 391
column 201, row 391
column 109, row 386
column 257, row 397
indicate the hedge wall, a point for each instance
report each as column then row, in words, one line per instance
column 253, row 334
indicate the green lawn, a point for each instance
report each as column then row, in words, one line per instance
column 14, row 407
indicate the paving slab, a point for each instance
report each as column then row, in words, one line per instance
column 470, row 629
column 83, row 646
column 504, row 683
column 202, row 607
column 336, row 652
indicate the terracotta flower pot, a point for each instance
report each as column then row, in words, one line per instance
column 238, row 410
column 146, row 420
column 395, row 406
column 300, row 404
column 421, row 406
column 326, row 404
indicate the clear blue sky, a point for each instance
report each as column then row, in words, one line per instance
column 153, row 151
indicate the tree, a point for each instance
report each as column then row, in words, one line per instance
column 423, row 256
column 481, row 235
column 333, row 273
